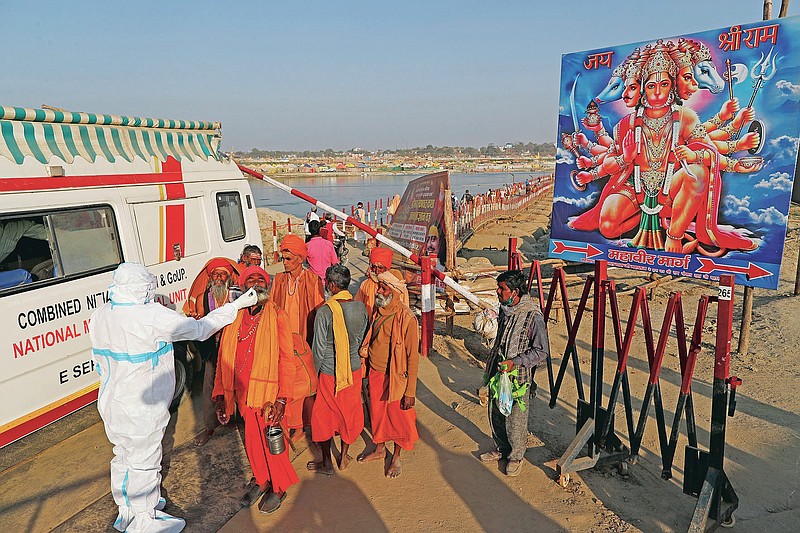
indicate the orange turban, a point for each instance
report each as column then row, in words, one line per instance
column 219, row 262
column 381, row 256
column 294, row 244
column 249, row 271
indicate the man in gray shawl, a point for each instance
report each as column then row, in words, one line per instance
column 521, row 345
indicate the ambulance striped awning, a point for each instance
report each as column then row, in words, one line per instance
column 44, row 133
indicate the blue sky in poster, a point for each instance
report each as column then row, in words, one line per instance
column 756, row 202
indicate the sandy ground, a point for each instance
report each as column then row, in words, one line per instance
column 443, row 485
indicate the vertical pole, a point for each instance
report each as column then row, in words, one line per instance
column 275, row 257
column 512, row 253
column 428, row 300
column 289, row 223
column 747, row 318
column 369, row 216
column 722, row 363
column 797, row 276
column 598, row 348
column 380, row 210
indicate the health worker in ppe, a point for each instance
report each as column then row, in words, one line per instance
column 132, row 338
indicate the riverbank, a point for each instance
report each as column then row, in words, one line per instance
column 410, row 172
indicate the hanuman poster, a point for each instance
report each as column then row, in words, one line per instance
column 677, row 155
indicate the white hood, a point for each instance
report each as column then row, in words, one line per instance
column 132, row 283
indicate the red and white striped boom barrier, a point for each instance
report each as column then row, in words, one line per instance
column 414, row 258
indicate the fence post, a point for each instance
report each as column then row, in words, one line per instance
column 289, row 223
column 514, row 261
column 598, row 349
column 716, row 488
column 797, row 276
column 428, row 303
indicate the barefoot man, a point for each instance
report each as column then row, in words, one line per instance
column 299, row 292
column 221, row 275
column 392, row 351
column 339, row 329
column 254, row 374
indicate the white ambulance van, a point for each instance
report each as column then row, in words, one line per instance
column 79, row 194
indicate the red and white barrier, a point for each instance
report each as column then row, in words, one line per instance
column 414, row 258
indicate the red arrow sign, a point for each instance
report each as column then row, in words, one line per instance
column 752, row 271
column 589, row 250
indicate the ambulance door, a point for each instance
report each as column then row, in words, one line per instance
column 170, row 230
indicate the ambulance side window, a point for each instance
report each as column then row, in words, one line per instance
column 37, row 248
column 231, row 217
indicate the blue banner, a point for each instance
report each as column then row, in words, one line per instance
column 677, row 155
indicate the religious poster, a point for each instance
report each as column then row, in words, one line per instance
column 418, row 223
column 677, row 155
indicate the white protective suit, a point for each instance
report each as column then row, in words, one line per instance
column 132, row 349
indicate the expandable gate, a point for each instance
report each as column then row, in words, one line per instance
column 705, row 477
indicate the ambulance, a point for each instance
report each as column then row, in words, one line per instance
column 81, row 193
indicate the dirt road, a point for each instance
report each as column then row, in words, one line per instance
column 443, row 485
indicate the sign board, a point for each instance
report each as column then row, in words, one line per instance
column 677, row 155
column 418, row 224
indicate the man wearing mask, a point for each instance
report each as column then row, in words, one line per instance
column 132, row 338
column 520, row 346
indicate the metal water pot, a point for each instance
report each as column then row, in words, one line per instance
column 275, row 440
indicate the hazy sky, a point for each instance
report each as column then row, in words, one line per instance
column 336, row 74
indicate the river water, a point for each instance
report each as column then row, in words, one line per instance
column 345, row 191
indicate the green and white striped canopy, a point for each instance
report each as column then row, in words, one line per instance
column 44, row 133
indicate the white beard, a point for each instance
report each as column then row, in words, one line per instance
column 262, row 293
column 383, row 301
column 220, row 291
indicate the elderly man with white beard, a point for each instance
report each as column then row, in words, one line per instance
column 391, row 348
column 220, row 275
column 255, row 372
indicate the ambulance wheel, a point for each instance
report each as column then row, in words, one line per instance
column 180, row 384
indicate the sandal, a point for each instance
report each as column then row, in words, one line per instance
column 489, row 457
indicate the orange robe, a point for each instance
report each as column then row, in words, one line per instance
column 393, row 353
column 340, row 413
column 246, row 375
column 300, row 303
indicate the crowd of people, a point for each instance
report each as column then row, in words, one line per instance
column 296, row 356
